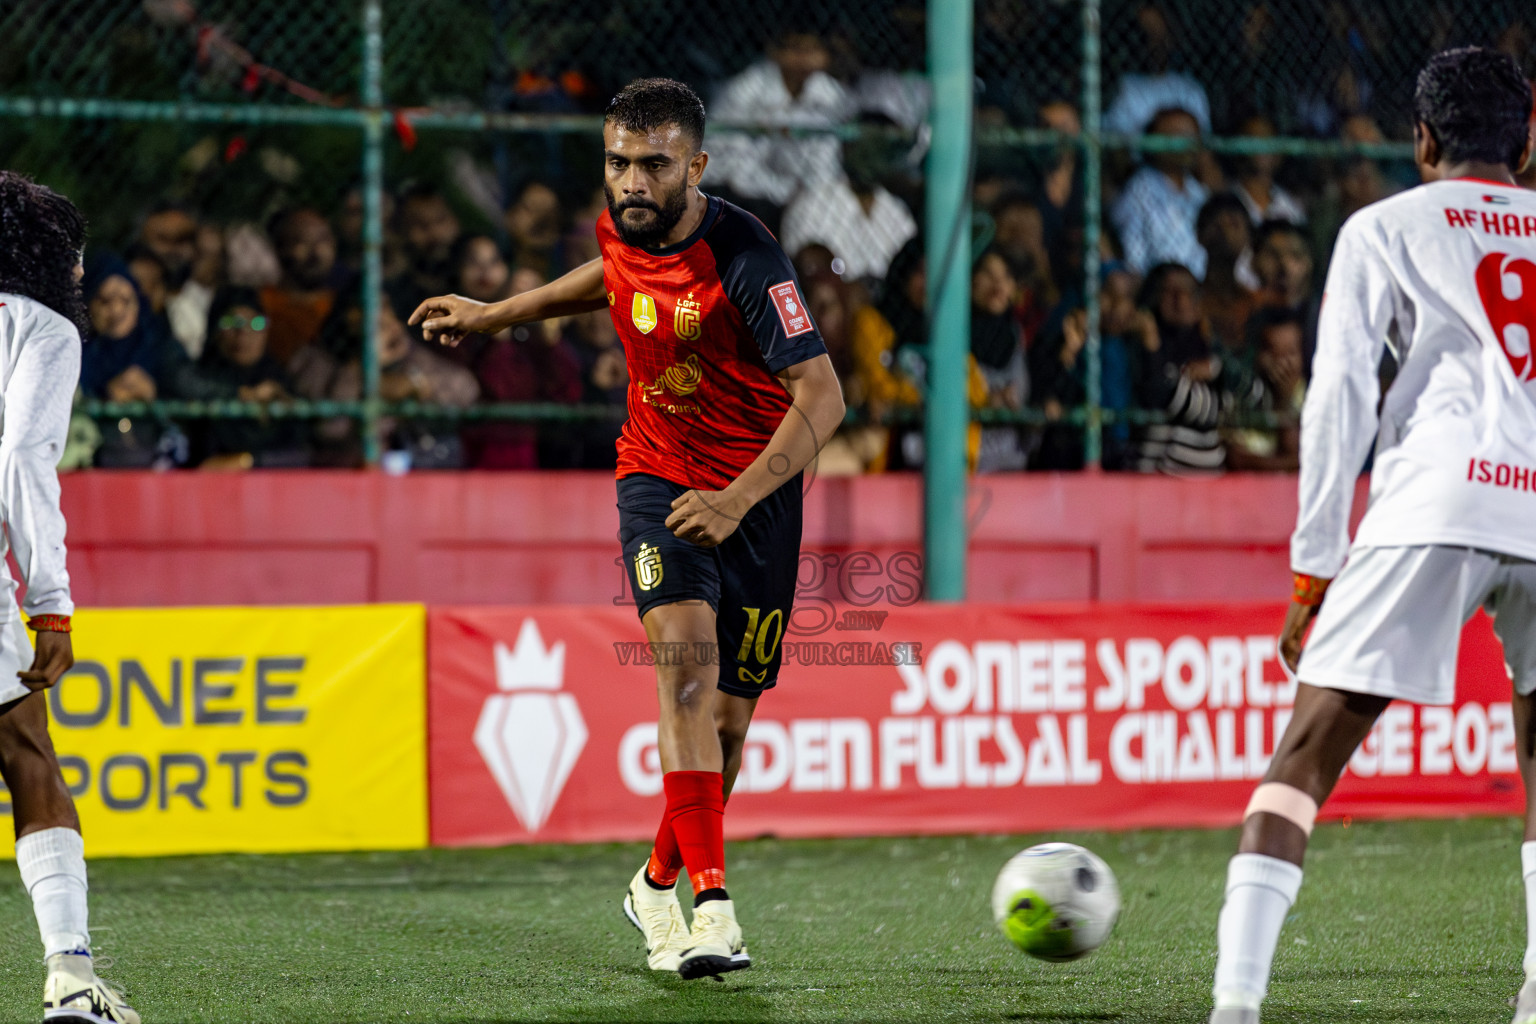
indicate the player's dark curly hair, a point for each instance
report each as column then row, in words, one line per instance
column 649, row 103
column 1477, row 104
column 41, row 235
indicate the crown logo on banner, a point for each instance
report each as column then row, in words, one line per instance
column 530, row 665
column 529, row 734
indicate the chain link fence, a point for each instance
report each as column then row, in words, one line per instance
column 338, row 167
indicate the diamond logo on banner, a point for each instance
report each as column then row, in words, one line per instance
column 530, row 734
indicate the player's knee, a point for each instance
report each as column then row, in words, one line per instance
column 1302, row 770
column 689, row 692
column 23, row 728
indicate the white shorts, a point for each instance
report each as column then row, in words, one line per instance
column 1391, row 622
column 15, row 655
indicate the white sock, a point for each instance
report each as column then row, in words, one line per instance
column 52, row 864
column 1528, row 870
column 1260, row 892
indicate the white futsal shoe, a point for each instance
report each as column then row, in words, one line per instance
column 1235, row 1015
column 714, row 945
column 1525, row 1004
column 74, row 995
column 656, row 913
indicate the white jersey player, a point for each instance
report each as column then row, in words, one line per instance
column 41, row 311
column 1445, row 274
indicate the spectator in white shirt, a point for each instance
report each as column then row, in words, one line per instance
column 171, row 232
column 1255, row 185
column 1155, row 88
column 1155, row 215
column 791, row 89
column 863, row 224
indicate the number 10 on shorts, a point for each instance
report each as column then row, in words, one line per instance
column 756, row 638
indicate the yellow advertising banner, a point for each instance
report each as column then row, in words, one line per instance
column 260, row 730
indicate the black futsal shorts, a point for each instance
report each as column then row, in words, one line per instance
column 749, row 580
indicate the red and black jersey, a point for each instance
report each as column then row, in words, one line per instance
column 706, row 325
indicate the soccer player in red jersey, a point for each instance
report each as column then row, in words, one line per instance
column 731, row 395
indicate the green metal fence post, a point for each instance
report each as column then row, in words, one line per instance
column 948, row 217
column 1093, row 104
column 373, row 220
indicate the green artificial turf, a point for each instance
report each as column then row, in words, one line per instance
column 1418, row 921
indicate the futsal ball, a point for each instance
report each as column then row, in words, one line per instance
column 1056, row 901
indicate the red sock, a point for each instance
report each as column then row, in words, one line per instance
column 666, row 860
column 696, row 809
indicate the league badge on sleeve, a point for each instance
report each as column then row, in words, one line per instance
column 792, row 311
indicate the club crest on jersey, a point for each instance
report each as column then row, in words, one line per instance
column 792, row 312
column 648, row 567
column 643, row 312
column 685, row 321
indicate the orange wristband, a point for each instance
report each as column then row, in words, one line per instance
column 49, row 623
column 1308, row 590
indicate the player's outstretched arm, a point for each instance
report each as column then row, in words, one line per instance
column 448, row 318
column 708, row 517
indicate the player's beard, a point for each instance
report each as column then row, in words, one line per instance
column 665, row 217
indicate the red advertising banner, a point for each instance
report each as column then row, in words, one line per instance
column 929, row 719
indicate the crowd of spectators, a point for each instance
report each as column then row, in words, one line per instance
column 199, row 312
column 1208, row 292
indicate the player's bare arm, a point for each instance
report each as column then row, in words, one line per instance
column 449, row 318
column 1305, row 602
column 708, row 517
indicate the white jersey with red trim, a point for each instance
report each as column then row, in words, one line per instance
column 1446, row 275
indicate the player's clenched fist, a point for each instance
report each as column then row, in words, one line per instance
column 1293, row 634
column 55, row 656
column 706, row 517
column 449, row 318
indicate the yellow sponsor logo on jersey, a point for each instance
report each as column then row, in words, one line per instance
column 648, row 567
column 681, row 380
column 643, row 312
column 685, row 321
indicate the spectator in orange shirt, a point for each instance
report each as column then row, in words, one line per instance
column 880, row 334
column 299, row 303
